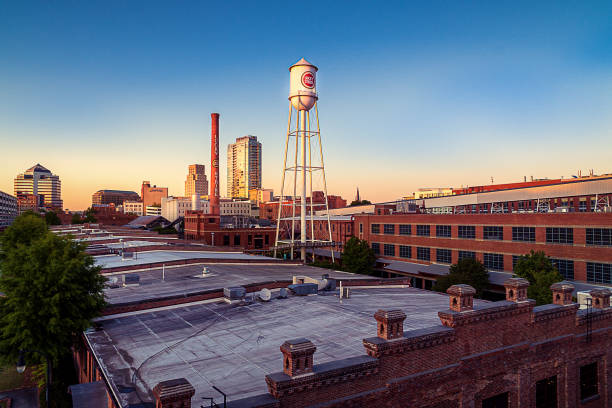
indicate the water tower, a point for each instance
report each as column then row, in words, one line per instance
column 300, row 172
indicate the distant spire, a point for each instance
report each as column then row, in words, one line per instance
column 357, row 196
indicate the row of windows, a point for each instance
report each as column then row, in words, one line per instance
column 546, row 390
column 554, row 235
column 596, row 272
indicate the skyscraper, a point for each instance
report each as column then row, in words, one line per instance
column 40, row 181
column 196, row 182
column 243, row 167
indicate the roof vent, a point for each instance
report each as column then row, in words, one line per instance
column 131, row 280
column 234, row 294
column 304, row 289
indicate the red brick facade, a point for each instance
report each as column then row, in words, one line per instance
column 206, row 228
column 578, row 251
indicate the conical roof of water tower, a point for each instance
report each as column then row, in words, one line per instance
column 303, row 62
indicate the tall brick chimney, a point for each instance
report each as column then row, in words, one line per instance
column 601, row 298
column 562, row 293
column 516, row 289
column 173, row 393
column 214, row 165
column 461, row 297
column 297, row 356
column 390, row 324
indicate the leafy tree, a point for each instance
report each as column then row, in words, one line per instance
column 357, row 256
column 25, row 229
column 76, row 219
column 540, row 272
column 51, row 218
column 90, row 216
column 359, row 202
column 469, row 271
column 52, row 291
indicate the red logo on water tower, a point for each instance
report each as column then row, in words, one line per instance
column 308, row 79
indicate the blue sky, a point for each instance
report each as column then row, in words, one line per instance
column 107, row 94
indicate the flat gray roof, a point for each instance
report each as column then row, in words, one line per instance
column 148, row 257
column 234, row 346
column 182, row 280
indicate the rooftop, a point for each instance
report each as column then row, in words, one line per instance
column 187, row 279
column 234, row 346
column 144, row 258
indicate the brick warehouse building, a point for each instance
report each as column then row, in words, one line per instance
column 580, row 244
column 206, row 227
column 509, row 353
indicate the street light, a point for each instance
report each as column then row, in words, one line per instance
column 21, row 366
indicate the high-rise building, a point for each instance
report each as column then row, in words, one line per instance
column 116, row 197
column 243, row 167
column 196, row 182
column 39, row 180
column 8, row 209
column 152, row 195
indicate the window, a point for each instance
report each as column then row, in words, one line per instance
column 405, row 251
column 546, row 393
column 389, row 229
column 467, row 254
column 375, row 228
column 560, row 235
column 582, row 207
column 599, row 272
column 389, row 250
column 237, row 240
column 515, row 259
column 526, row 234
column 376, row 248
column 467, row 231
column 443, row 231
column 360, row 228
column 423, row 254
column 565, row 267
column 405, row 229
column 490, row 232
column 443, row 256
column 494, row 261
column 588, row 381
column 599, row 236
column 423, row 230
column 497, row 401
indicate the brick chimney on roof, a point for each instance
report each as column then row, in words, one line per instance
column 173, row 393
column 390, row 324
column 516, row 289
column 601, row 298
column 562, row 293
column 297, row 356
column 461, row 297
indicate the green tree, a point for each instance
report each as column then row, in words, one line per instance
column 469, row 271
column 540, row 272
column 76, row 219
column 90, row 216
column 359, row 202
column 358, row 257
column 51, row 218
column 52, row 291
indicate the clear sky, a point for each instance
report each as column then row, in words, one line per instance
column 412, row 94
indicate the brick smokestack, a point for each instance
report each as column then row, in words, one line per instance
column 214, row 165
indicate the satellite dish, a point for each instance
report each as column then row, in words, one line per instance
column 283, row 293
column 265, row 295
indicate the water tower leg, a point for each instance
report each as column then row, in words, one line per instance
column 303, row 203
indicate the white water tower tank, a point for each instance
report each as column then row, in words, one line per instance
column 303, row 85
